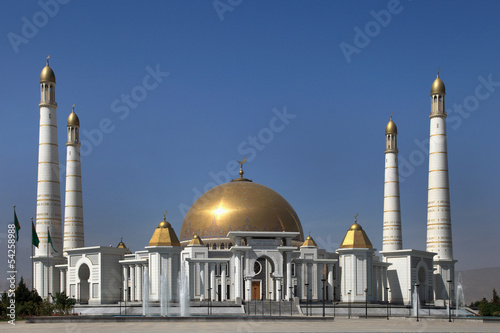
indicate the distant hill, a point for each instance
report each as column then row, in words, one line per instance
column 479, row 283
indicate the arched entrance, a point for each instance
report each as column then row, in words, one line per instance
column 422, row 279
column 262, row 282
column 83, row 275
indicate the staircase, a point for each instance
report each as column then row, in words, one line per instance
column 271, row 308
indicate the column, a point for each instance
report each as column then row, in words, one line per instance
column 238, row 277
column 138, row 278
column 212, row 281
column 289, row 284
column 277, row 288
column 202, row 280
column 330, row 281
column 62, row 281
column 223, row 282
column 248, row 289
column 170, row 277
column 300, row 279
column 125, row 283
column 132, row 283
column 319, row 283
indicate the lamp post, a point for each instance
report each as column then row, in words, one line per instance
column 334, row 300
column 307, row 298
column 323, row 280
column 270, row 305
column 48, row 297
column 417, row 298
column 291, row 301
column 120, row 301
column 366, row 303
column 279, row 300
column 209, row 299
column 387, row 288
column 248, row 303
column 349, row 304
column 262, row 302
column 449, row 300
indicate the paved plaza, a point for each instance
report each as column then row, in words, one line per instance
column 310, row 325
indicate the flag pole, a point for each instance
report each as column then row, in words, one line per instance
column 48, row 267
column 15, row 250
column 32, row 268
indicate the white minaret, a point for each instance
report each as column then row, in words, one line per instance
column 48, row 206
column 392, row 239
column 438, row 203
column 73, row 212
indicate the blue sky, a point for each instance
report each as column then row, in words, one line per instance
column 222, row 76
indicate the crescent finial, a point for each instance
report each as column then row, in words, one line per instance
column 439, row 68
column 165, row 216
column 356, row 218
column 241, row 166
column 48, row 59
column 73, row 108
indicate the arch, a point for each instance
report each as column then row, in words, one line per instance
column 214, row 246
column 84, row 276
column 222, row 246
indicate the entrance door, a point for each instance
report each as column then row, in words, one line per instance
column 255, row 289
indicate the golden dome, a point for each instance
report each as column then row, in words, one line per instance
column 164, row 235
column 73, row 118
column 240, row 205
column 356, row 238
column 438, row 86
column 196, row 241
column 309, row 242
column 47, row 74
column 121, row 245
column 391, row 127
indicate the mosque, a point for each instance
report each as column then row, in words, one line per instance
column 241, row 240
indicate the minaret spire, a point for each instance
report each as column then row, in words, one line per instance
column 439, row 238
column 392, row 237
column 48, row 210
column 73, row 212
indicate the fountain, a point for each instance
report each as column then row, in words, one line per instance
column 163, row 294
column 460, row 298
column 146, row 311
column 415, row 303
column 183, row 283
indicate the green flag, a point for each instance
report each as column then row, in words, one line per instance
column 34, row 237
column 50, row 241
column 16, row 223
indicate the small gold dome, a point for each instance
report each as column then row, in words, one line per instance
column 196, row 241
column 309, row 242
column 73, row 119
column 391, row 127
column 164, row 224
column 47, row 74
column 356, row 238
column 438, row 86
column 164, row 235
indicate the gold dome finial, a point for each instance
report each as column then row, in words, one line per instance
column 47, row 74
column 391, row 127
column 241, row 166
column 73, row 118
column 165, row 216
column 356, row 218
column 241, row 171
column 438, row 85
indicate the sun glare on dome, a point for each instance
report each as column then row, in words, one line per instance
column 219, row 211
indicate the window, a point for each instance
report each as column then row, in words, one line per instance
column 222, row 246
